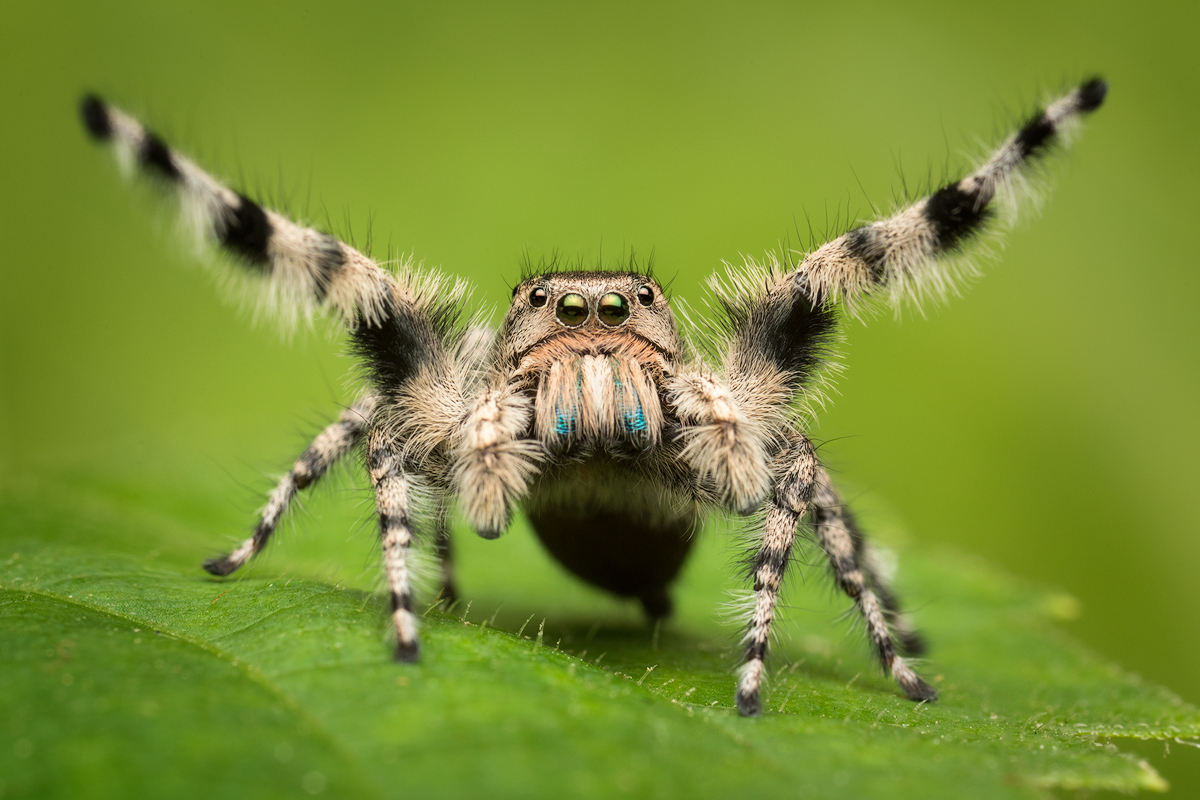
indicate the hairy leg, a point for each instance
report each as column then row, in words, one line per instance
column 404, row 324
column 779, row 318
column 793, row 492
column 831, row 509
column 855, row 577
column 493, row 463
column 299, row 269
column 330, row 445
column 903, row 256
column 722, row 444
column 393, row 502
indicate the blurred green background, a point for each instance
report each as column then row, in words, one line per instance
column 1046, row 420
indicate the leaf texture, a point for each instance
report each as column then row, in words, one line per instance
column 128, row 672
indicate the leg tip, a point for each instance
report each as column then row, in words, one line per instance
column 748, row 704
column 489, row 533
column 95, row 117
column 919, row 691
column 1092, row 94
column 408, row 652
column 220, row 566
column 485, row 507
column 916, row 689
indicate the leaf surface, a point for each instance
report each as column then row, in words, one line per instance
column 128, row 672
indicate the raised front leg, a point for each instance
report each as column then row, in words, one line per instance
column 295, row 270
column 909, row 255
column 404, row 325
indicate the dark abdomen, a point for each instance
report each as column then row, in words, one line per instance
column 615, row 530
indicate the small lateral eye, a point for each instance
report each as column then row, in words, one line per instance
column 571, row 310
column 645, row 295
column 538, row 297
column 613, row 309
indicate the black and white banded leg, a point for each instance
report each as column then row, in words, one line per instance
column 403, row 325
column 904, row 256
column 300, row 270
column 846, row 549
column 722, row 443
column 793, row 493
column 393, row 502
column 494, row 463
column 330, row 446
column 830, row 508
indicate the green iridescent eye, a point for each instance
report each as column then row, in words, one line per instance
column 571, row 310
column 613, row 310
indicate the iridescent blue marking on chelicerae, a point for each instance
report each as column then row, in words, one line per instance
column 635, row 419
column 636, row 422
column 564, row 425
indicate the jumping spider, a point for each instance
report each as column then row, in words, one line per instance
column 588, row 407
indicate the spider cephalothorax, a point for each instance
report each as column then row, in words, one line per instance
column 589, row 407
column 595, row 349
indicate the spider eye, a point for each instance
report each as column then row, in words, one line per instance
column 613, row 309
column 645, row 295
column 571, row 310
column 538, row 297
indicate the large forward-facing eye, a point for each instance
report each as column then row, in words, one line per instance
column 571, row 310
column 613, row 309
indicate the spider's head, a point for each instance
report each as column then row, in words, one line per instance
column 593, row 306
column 597, row 346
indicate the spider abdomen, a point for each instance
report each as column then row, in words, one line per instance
column 614, row 529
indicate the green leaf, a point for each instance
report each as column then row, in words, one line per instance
column 128, row 672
